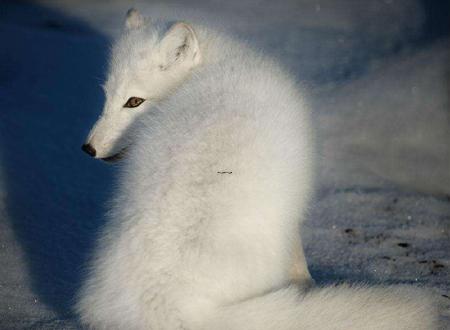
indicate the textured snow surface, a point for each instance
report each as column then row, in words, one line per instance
column 377, row 74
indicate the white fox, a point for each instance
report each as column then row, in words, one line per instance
column 203, row 229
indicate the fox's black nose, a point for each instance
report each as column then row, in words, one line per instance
column 87, row 148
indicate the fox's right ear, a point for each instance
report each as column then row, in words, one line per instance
column 133, row 19
column 180, row 45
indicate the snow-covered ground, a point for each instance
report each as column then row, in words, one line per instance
column 377, row 73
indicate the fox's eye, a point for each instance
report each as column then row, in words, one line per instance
column 133, row 102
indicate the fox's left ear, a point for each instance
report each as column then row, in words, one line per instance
column 180, row 45
column 133, row 19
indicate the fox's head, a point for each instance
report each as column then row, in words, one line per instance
column 146, row 64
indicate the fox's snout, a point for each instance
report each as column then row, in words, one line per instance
column 90, row 150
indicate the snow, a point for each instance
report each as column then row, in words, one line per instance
column 377, row 75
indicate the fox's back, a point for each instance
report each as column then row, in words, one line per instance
column 227, row 156
column 235, row 136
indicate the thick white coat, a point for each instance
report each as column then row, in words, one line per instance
column 203, row 229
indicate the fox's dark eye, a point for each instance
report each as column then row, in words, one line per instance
column 133, row 102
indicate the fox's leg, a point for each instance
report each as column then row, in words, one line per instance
column 299, row 272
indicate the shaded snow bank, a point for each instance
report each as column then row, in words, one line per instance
column 393, row 124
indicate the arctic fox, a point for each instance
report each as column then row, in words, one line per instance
column 217, row 175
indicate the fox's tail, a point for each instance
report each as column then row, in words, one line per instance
column 341, row 307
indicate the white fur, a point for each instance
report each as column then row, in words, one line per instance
column 332, row 308
column 190, row 247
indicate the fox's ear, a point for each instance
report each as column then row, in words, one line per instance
column 133, row 19
column 180, row 45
